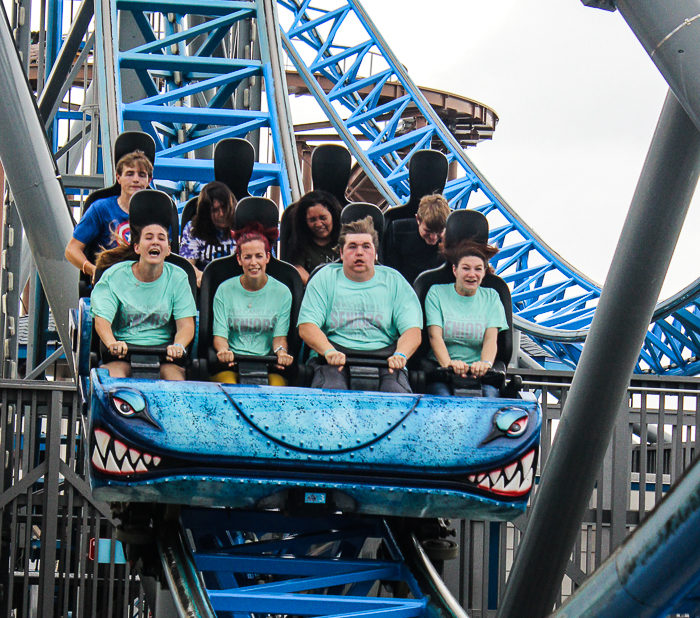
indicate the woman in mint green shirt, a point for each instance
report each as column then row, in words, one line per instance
column 143, row 302
column 251, row 312
column 464, row 319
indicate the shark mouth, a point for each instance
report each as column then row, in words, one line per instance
column 111, row 456
column 513, row 480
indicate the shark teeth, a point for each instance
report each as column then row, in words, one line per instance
column 112, row 456
column 514, row 480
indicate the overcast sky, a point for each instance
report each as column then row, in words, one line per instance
column 578, row 100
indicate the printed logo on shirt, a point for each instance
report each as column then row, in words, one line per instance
column 250, row 327
column 464, row 330
column 141, row 318
column 122, row 232
column 349, row 317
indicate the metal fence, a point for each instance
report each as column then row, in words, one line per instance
column 51, row 560
column 59, row 557
column 654, row 441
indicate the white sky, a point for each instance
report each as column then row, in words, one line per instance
column 578, row 100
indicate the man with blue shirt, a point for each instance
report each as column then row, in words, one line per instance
column 108, row 218
column 359, row 306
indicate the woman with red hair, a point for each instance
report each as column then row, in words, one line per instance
column 251, row 311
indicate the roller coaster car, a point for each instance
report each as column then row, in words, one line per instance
column 298, row 449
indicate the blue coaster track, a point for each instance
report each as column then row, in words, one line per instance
column 335, row 39
column 552, row 301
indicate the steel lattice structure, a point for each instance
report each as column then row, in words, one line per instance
column 188, row 85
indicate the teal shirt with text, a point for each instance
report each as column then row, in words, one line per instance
column 142, row 313
column 250, row 320
column 464, row 319
column 365, row 315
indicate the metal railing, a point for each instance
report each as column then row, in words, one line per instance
column 654, row 442
column 48, row 517
column 52, row 560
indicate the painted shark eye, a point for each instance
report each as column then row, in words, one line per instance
column 128, row 403
column 511, row 422
column 123, row 407
column 517, row 428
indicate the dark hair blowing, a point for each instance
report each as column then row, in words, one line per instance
column 302, row 238
column 202, row 225
column 122, row 252
column 468, row 248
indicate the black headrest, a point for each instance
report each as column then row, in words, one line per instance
column 360, row 210
column 234, row 159
column 150, row 206
column 129, row 141
column 256, row 209
column 126, row 142
column 331, row 165
column 466, row 224
column 427, row 174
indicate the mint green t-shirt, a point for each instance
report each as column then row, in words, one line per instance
column 142, row 313
column 250, row 320
column 464, row 319
column 361, row 316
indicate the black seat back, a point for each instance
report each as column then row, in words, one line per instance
column 256, row 209
column 250, row 209
column 331, row 165
column 188, row 213
column 360, row 210
column 126, row 142
column 466, row 224
column 427, row 174
column 234, row 159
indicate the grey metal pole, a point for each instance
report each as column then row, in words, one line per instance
column 643, row 253
column 64, row 62
column 36, row 185
column 670, row 33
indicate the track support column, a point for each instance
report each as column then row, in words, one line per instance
column 637, row 272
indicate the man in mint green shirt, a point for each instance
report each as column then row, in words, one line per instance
column 361, row 307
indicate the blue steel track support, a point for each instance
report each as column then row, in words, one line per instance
column 552, row 301
column 320, row 566
column 175, row 78
column 644, row 251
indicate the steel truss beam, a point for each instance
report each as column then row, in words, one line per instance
column 175, row 75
